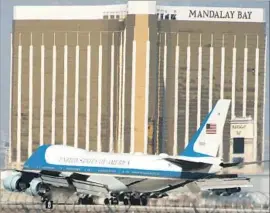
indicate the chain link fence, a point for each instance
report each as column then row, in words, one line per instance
column 180, row 202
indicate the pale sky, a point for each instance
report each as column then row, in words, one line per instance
column 6, row 13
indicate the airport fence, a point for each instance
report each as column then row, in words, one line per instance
column 181, row 202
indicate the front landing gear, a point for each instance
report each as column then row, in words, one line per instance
column 48, row 204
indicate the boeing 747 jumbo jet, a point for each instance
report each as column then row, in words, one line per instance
column 131, row 178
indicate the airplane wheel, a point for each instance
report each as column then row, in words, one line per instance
column 49, row 204
column 106, row 201
column 126, row 201
column 114, row 201
column 143, row 201
column 89, row 201
column 134, row 201
column 80, row 201
column 85, row 201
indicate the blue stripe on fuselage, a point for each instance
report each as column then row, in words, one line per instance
column 120, row 171
column 37, row 162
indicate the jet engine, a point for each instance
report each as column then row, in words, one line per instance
column 227, row 191
column 34, row 188
column 14, row 183
column 101, row 200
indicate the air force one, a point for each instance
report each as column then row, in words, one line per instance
column 110, row 178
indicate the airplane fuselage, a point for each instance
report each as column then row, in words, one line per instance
column 69, row 159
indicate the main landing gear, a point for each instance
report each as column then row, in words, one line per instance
column 87, row 200
column 47, row 202
column 133, row 199
column 138, row 200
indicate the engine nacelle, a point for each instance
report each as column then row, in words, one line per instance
column 12, row 183
column 233, row 190
column 226, row 191
column 101, row 200
column 33, row 189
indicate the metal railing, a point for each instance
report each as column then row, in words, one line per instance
column 180, row 202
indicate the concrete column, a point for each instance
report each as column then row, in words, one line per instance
column 175, row 143
column 233, row 78
column 211, row 72
column 88, row 95
column 10, row 100
column 65, row 92
column 19, row 101
column 77, row 82
column 257, row 58
column 187, row 93
column 111, row 96
column 30, row 124
column 42, row 87
column 142, row 15
column 199, row 83
column 99, row 144
column 53, row 91
column 140, row 81
column 244, row 113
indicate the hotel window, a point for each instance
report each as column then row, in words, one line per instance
column 238, row 145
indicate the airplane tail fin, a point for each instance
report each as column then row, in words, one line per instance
column 208, row 138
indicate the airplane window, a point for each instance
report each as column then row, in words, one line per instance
column 238, row 145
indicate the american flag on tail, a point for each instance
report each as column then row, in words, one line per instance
column 211, row 128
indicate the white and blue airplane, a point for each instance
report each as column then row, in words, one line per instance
column 132, row 178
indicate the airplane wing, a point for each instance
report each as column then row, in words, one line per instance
column 102, row 185
column 224, row 183
column 186, row 164
column 241, row 164
column 194, row 162
column 204, row 160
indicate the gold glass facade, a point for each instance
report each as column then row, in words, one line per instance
column 136, row 84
